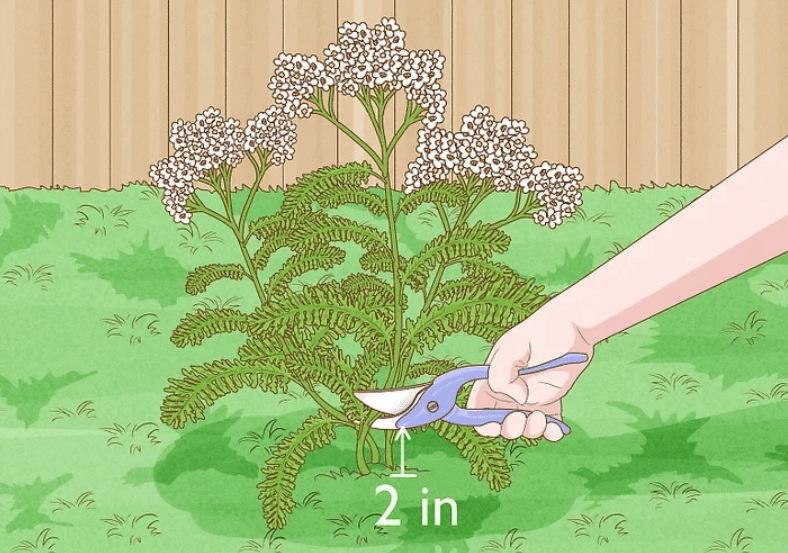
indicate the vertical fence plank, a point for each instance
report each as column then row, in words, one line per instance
column 482, row 58
column 427, row 26
column 254, row 39
column 653, row 92
column 197, row 59
column 26, row 93
column 763, row 76
column 709, row 95
column 540, row 74
column 140, row 128
column 310, row 27
column 597, row 107
column 81, row 94
column 351, row 112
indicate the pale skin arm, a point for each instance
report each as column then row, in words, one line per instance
column 737, row 225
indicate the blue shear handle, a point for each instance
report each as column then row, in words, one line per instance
column 478, row 417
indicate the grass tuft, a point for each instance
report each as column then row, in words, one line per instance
column 84, row 501
column 132, row 327
column 99, row 219
column 26, row 274
column 738, row 543
column 84, row 409
column 298, row 284
column 750, row 330
column 266, row 439
column 133, row 528
column 311, row 500
column 271, row 542
column 216, row 302
column 779, row 392
column 194, row 240
column 777, row 291
column 672, row 205
column 777, row 501
column 293, row 395
column 662, row 493
column 511, row 543
column 615, row 249
column 431, row 218
column 580, row 216
column 133, row 436
column 357, row 529
column 149, row 191
column 43, row 542
column 600, row 528
column 515, row 449
column 662, row 385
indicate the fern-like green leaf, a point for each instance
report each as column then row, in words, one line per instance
column 321, row 228
column 282, row 468
column 322, row 256
column 331, row 368
column 486, row 455
column 441, row 192
column 480, row 240
column 270, row 346
column 200, row 278
column 330, row 187
column 360, row 284
column 433, row 367
column 368, row 364
column 379, row 261
column 202, row 385
column 267, row 248
column 325, row 306
column 196, row 327
column 270, row 226
column 480, row 307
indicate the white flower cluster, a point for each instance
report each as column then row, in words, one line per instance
column 274, row 131
column 483, row 147
column 362, row 56
column 211, row 141
column 557, row 188
column 495, row 150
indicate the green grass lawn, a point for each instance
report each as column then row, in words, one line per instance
column 679, row 426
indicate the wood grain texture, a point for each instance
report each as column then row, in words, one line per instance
column 653, row 92
column 597, row 106
column 139, row 124
column 482, row 58
column 317, row 138
column 26, row 93
column 709, row 91
column 427, row 26
column 351, row 112
column 540, row 74
column 254, row 38
column 763, row 76
column 81, row 121
column 196, row 59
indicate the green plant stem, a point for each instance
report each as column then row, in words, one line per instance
column 443, row 216
column 531, row 203
column 310, row 389
column 259, row 170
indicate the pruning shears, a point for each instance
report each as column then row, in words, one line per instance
column 423, row 404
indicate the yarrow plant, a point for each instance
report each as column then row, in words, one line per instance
column 396, row 309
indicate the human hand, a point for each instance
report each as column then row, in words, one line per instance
column 544, row 336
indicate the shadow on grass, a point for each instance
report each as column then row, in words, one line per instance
column 573, row 267
column 145, row 273
column 780, row 454
column 30, row 397
column 28, row 499
column 29, row 220
column 668, row 447
column 691, row 333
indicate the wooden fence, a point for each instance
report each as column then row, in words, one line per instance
column 632, row 90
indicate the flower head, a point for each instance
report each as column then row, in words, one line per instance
column 557, row 188
column 211, row 142
column 274, row 131
column 483, row 147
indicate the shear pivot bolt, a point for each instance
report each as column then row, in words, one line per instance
column 432, row 406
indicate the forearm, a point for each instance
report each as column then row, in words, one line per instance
column 739, row 224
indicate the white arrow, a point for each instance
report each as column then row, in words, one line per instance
column 402, row 434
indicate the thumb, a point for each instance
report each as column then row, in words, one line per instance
column 503, row 376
